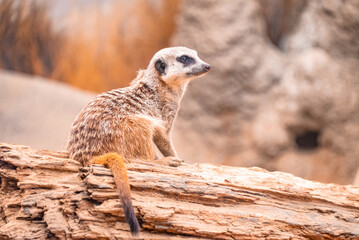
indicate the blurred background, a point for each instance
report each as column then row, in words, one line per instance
column 283, row 92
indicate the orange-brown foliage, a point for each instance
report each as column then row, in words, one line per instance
column 107, row 59
column 27, row 40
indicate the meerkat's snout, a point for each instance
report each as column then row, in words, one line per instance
column 199, row 70
column 207, row 67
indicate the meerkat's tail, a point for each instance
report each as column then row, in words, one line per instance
column 115, row 162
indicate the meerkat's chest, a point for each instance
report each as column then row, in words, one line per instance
column 169, row 114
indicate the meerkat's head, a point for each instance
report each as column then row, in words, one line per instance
column 178, row 65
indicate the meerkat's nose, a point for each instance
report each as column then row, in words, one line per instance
column 207, row 67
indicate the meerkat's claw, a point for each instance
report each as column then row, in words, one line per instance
column 175, row 162
column 170, row 161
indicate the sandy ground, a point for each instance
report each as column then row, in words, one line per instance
column 37, row 112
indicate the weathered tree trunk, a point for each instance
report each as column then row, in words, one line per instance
column 47, row 195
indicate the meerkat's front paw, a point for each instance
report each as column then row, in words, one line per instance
column 170, row 161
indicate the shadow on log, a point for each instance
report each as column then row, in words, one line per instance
column 45, row 194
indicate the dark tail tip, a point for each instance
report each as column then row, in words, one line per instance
column 131, row 217
column 134, row 226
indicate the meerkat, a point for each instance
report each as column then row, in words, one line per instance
column 122, row 125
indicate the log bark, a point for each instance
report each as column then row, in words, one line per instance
column 46, row 195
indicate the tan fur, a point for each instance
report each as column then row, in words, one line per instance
column 125, row 123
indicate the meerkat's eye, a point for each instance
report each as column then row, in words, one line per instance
column 186, row 60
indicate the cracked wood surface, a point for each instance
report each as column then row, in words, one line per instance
column 46, row 195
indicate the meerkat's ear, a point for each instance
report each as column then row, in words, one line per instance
column 160, row 66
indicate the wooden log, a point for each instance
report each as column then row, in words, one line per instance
column 45, row 194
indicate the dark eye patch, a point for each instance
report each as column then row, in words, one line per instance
column 186, row 60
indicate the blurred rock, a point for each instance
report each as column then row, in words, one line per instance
column 329, row 24
column 281, row 17
column 295, row 110
column 245, row 66
column 36, row 111
column 356, row 179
